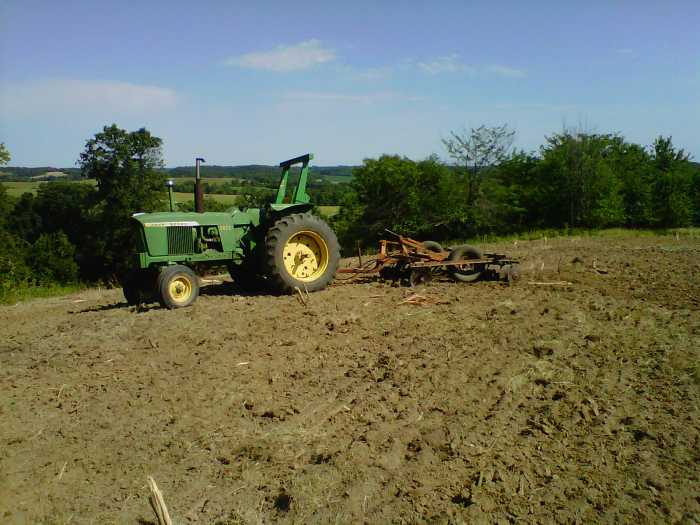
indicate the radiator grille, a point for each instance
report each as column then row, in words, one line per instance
column 180, row 240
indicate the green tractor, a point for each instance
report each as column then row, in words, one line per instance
column 281, row 246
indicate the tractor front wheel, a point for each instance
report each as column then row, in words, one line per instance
column 301, row 252
column 178, row 286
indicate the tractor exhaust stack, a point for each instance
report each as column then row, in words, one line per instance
column 198, row 193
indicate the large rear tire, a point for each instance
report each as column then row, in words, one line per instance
column 138, row 286
column 301, row 251
column 131, row 287
column 246, row 279
column 178, row 286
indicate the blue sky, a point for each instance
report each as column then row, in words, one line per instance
column 258, row 82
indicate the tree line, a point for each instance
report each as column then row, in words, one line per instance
column 71, row 232
column 575, row 180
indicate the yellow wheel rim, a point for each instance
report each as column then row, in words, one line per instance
column 180, row 289
column 306, row 256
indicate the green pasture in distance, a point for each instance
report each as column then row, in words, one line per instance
column 185, row 197
column 210, row 180
column 329, row 211
column 337, row 178
column 16, row 189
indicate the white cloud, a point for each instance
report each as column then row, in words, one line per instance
column 375, row 73
column 505, row 71
column 535, row 107
column 453, row 64
column 444, row 64
column 49, row 96
column 285, row 58
column 347, row 98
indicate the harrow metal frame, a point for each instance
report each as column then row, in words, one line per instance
column 406, row 258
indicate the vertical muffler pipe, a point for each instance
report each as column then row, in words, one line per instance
column 169, row 184
column 198, row 193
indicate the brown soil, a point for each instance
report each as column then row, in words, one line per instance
column 492, row 403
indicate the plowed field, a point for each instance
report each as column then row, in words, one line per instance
column 486, row 402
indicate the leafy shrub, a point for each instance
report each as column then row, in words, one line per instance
column 52, row 259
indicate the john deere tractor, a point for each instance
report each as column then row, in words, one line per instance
column 281, row 246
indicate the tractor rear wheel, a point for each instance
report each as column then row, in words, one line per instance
column 178, row 286
column 245, row 278
column 466, row 272
column 131, row 287
column 137, row 286
column 301, row 251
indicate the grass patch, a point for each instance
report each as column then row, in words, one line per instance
column 328, row 211
column 27, row 292
column 188, row 197
column 533, row 235
column 18, row 188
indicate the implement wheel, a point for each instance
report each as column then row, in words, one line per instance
column 301, row 252
column 466, row 272
column 178, row 286
column 433, row 246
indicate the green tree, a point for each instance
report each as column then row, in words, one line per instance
column 67, row 207
column 4, row 154
column 70, row 208
column 476, row 150
column 7, row 203
column 126, row 166
column 52, row 259
column 14, row 270
column 512, row 198
column 255, row 197
column 347, row 223
column 408, row 197
column 25, row 220
column 673, row 184
column 583, row 188
column 633, row 166
column 695, row 194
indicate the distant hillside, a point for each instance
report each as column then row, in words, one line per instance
column 43, row 173
column 261, row 173
column 253, row 172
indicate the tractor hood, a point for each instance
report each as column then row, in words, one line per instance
column 191, row 236
column 165, row 219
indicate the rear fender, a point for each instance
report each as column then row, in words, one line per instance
column 280, row 210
